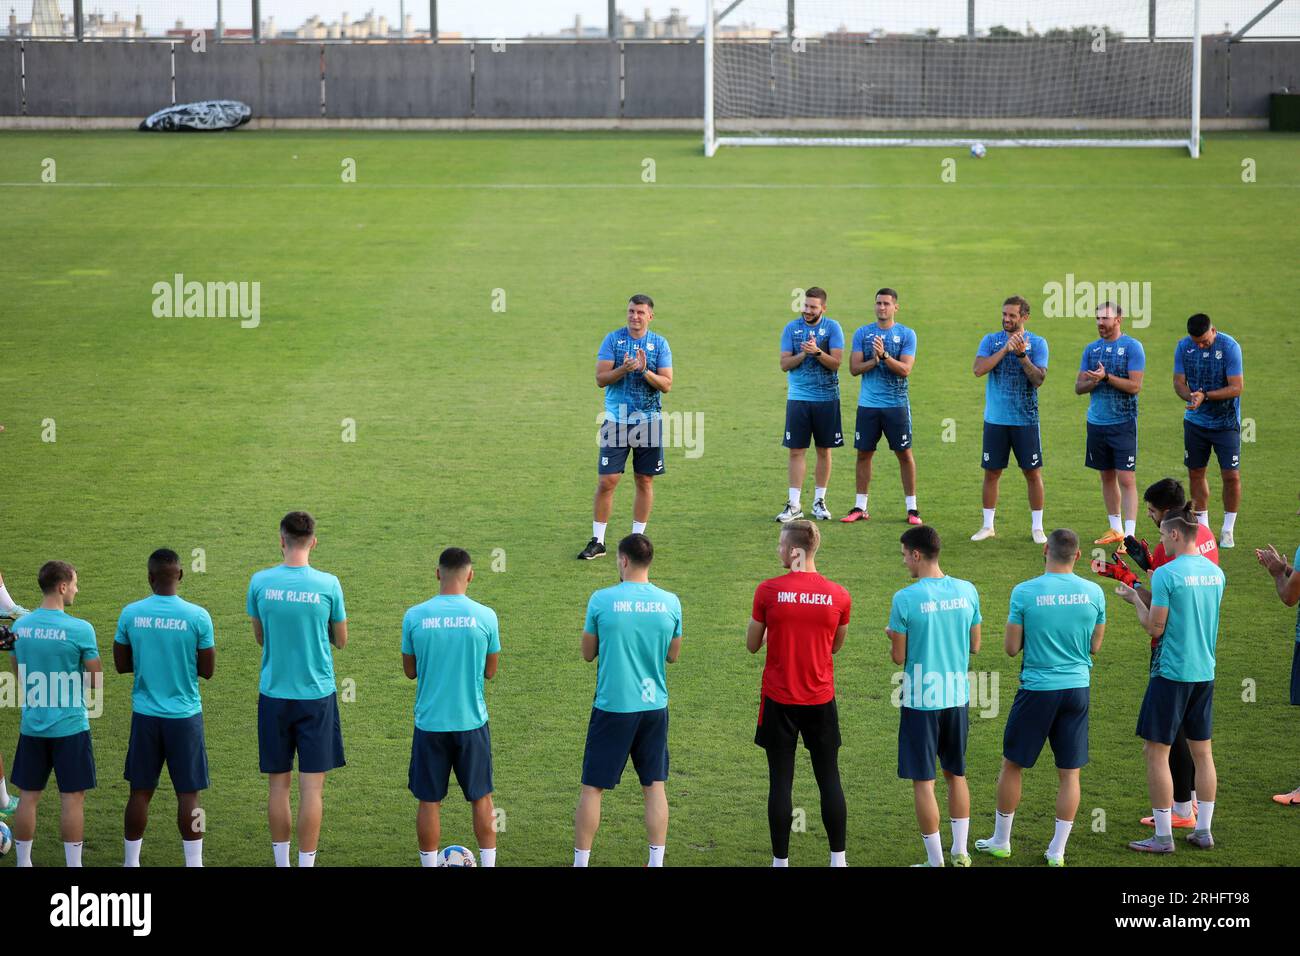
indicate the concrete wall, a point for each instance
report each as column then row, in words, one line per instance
column 613, row 81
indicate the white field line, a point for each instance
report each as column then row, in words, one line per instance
column 650, row 187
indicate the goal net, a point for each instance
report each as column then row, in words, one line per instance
column 952, row 73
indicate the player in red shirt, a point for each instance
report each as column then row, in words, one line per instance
column 1164, row 496
column 802, row 618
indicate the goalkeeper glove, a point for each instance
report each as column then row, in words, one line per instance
column 1139, row 551
column 1117, row 569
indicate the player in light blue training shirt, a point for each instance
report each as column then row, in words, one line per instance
column 1286, row 581
column 167, row 643
column 450, row 646
column 297, row 613
column 1015, row 362
column 633, row 630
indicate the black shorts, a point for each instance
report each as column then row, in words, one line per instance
column 644, row 440
column 613, row 737
column 1171, row 704
column 1112, row 447
column 895, row 423
column 176, row 741
column 925, row 736
column 999, row 440
column 310, row 728
column 808, row 422
column 781, row 725
column 1198, row 440
column 72, row 758
column 1295, row 675
column 434, row 754
column 1038, row 716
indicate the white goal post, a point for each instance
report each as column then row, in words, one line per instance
column 952, row 73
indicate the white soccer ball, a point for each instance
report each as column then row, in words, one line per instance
column 456, row 856
column 978, row 150
column 6, row 838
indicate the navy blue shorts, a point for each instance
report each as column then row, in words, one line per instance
column 808, row 422
column 1197, row 442
column 1112, row 447
column 781, row 725
column 1295, row 675
column 72, row 758
column 644, row 440
column 612, row 738
column 999, row 440
column 895, row 423
column 925, row 736
column 434, row 754
column 177, row 741
column 311, row 728
column 1038, row 716
column 1171, row 704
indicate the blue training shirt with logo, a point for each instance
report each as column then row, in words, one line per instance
column 810, row 380
column 296, row 606
column 1009, row 397
column 1191, row 587
column 1058, row 613
column 1207, row 370
column 937, row 615
column 450, row 637
column 50, row 649
column 634, row 624
column 165, row 634
column 631, row 399
column 882, row 388
column 1107, row 405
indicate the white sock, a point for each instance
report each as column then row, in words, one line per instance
column 281, row 851
column 6, row 602
column 72, row 854
column 133, row 852
column 306, row 859
column 819, row 494
column 1036, row 520
column 1115, row 523
column 860, row 502
column 1183, row 809
column 781, row 862
column 933, row 848
column 487, row 856
column 1164, row 823
column 988, row 517
column 1002, row 827
column 1229, row 519
column 428, row 858
column 795, row 495
column 4, row 793
column 193, row 852
column 837, row 858
column 1056, row 849
column 656, row 855
column 909, row 502
column 581, row 857
column 24, row 852
column 1203, row 517
column 638, row 527
column 598, row 530
column 960, row 831
column 1130, row 526
column 1205, row 816
column 1193, row 798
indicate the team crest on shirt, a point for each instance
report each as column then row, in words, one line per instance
column 1218, row 353
column 1121, row 350
column 649, row 346
column 897, row 340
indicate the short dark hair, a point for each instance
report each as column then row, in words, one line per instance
column 298, row 527
column 1113, row 306
column 923, row 539
column 1181, row 519
column 815, row 292
column 1198, row 325
column 1062, row 544
column 1019, row 302
column 642, row 299
column 54, row 573
column 889, row 292
column 163, row 561
column 454, row 559
column 637, row 549
column 1165, row 494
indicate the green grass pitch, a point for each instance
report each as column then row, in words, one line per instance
column 476, row 427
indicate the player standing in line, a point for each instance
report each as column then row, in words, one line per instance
column 883, row 354
column 1184, row 615
column 635, row 629
column 450, row 646
column 57, row 658
column 812, row 347
column 168, row 644
column 1208, row 377
column 934, row 628
column 1015, row 362
column 802, row 618
column 1058, row 619
column 1287, row 582
column 1162, row 498
column 297, row 613
column 8, row 802
column 635, row 368
column 1110, row 374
